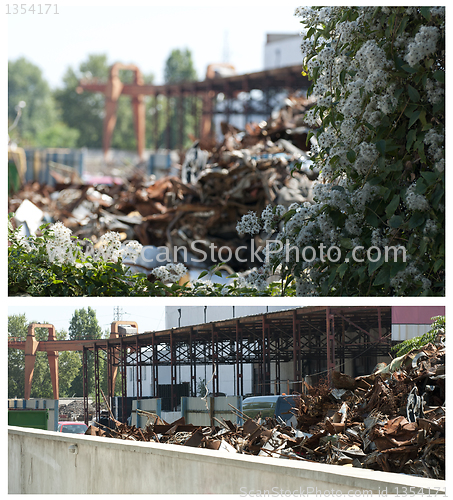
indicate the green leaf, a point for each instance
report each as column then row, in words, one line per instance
column 342, row 269
column 346, row 243
column 383, row 277
column 438, row 264
column 411, row 135
column 396, row 221
column 416, row 220
column 426, row 13
column 439, row 75
column 408, row 68
column 373, row 266
column 332, row 277
column 381, row 146
column 351, row 156
column 203, row 274
column 372, row 219
column 414, row 117
column 392, row 206
column 413, row 93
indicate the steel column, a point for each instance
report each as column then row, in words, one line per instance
column 297, row 374
column 330, row 338
column 97, row 392
column 239, row 361
column 85, row 383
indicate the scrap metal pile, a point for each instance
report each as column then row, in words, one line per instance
column 392, row 420
column 219, row 184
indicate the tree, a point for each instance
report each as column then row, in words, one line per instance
column 84, row 326
column 378, row 75
column 179, row 68
column 26, row 83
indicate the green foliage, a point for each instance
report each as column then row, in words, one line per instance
column 437, row 328
column 179, row 67
column 39, row 125
column 32, row 272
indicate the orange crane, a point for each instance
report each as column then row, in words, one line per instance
column 52, row 346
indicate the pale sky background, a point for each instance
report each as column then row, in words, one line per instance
column 148, row 318
column 233, row 32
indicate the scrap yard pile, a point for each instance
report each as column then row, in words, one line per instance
column 217, row 186
column 392, row 420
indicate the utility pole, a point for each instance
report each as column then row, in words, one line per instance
column 117, row 313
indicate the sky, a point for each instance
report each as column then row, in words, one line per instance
column 148, row 317
column 145, row 35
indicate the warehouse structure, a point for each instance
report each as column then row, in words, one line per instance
column 275, row 351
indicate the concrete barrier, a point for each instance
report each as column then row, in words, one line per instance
column 46, row 462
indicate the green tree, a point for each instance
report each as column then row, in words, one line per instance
column 84, row 326
column 179, row 68
column 26, row 83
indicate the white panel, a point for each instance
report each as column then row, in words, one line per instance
column 218, row 313
column 405, row 332
column 283, row 53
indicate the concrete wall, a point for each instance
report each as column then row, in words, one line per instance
column 44, row 462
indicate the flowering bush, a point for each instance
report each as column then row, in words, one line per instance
column 378, row 75
column 56, row 264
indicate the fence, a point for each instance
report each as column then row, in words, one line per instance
column 39, row 164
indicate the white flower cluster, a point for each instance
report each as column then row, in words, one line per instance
column 270, row 217
column 416, row 201
column 108, row 248
column 131, row 251
column 423, row 44
column 170, row 273
column 257, row 279
column 249, row 224
column 61, row 248
column 408, row 276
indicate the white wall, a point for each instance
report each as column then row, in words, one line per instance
column 42, row 462
column 226, row 373
column 195, row 315
column 281, row 53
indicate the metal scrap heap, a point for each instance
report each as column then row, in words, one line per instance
column 218, row 184
column 392, row 420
